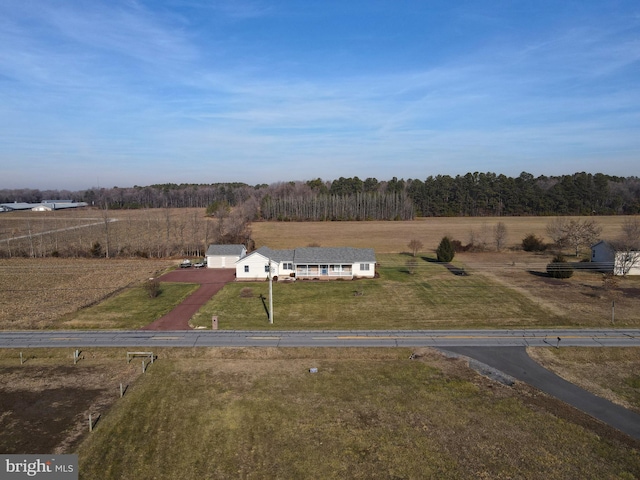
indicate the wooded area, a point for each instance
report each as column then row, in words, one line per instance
column 473, row 194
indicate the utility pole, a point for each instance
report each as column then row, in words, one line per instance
column 270, row 294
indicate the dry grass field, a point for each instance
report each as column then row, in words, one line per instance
column 37, row 292
column 393, row 237
column 366, row 413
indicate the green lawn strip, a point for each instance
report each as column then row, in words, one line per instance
column 377, row 417
column 130, row 309
column 433, row 297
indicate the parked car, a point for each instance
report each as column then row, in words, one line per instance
column 199, row 264
column 185, row 264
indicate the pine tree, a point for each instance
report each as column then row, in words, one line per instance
column 445, row 250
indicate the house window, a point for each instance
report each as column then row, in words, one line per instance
column 266, row 269
column 364, row 267
column 246, row 269
column 287, row 266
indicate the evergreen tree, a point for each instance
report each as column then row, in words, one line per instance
column 445, row 250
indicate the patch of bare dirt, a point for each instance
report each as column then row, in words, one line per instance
column 44, row 406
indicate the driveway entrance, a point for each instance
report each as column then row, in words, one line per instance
column 211, row 281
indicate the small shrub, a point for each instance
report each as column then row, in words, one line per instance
column 96, row 250
column 412, row 264
column 559, row 268
column 152, row 287
column 531, row 243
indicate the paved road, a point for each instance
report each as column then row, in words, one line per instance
column 502, row 349
column 344, row 338
column 515, row 362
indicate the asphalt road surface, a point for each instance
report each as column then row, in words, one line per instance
column 515, row 362
column 315, row 338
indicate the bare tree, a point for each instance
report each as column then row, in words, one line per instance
column 500, row 235
column 415, row 246
column 573, row 233
column 479, row 239
column 627, row 247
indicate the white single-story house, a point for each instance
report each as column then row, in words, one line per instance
column 619, row 262
column 224, row 256
column 321, row 263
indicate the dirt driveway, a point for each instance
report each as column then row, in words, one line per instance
column 211, row 281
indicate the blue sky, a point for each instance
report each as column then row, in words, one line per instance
column 123, row 93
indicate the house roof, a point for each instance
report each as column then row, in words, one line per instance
column 317, row 255
column 225, row 249
column 334, row 255
column 276, row 255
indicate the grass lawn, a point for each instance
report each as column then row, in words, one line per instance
column 433, row 297
column 367, row 413
column 130, row 309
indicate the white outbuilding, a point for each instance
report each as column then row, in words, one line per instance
column 224, row 256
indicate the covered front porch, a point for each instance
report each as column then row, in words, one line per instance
column 324, row 271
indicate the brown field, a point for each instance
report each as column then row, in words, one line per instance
column 393, row 237
column 38, row 291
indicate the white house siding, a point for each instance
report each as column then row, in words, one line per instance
column 224, row 256
column 256, row 264
column 365, row 270
column 619, row 264
column 308, row 263
column 220, row 261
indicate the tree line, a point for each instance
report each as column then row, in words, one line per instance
column 472, row 194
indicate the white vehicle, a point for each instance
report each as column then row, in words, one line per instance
column 199, row 264
column 185, row 264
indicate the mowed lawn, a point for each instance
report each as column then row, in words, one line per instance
column 366, row 413
column 130, row 309
column 432, row 297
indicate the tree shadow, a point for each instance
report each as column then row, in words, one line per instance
column 458, row 271
column 538, row 274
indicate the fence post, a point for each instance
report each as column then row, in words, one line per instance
column 90, row 424
column 21, row 360
column 121, row 391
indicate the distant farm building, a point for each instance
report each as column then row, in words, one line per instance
column 44, row 206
